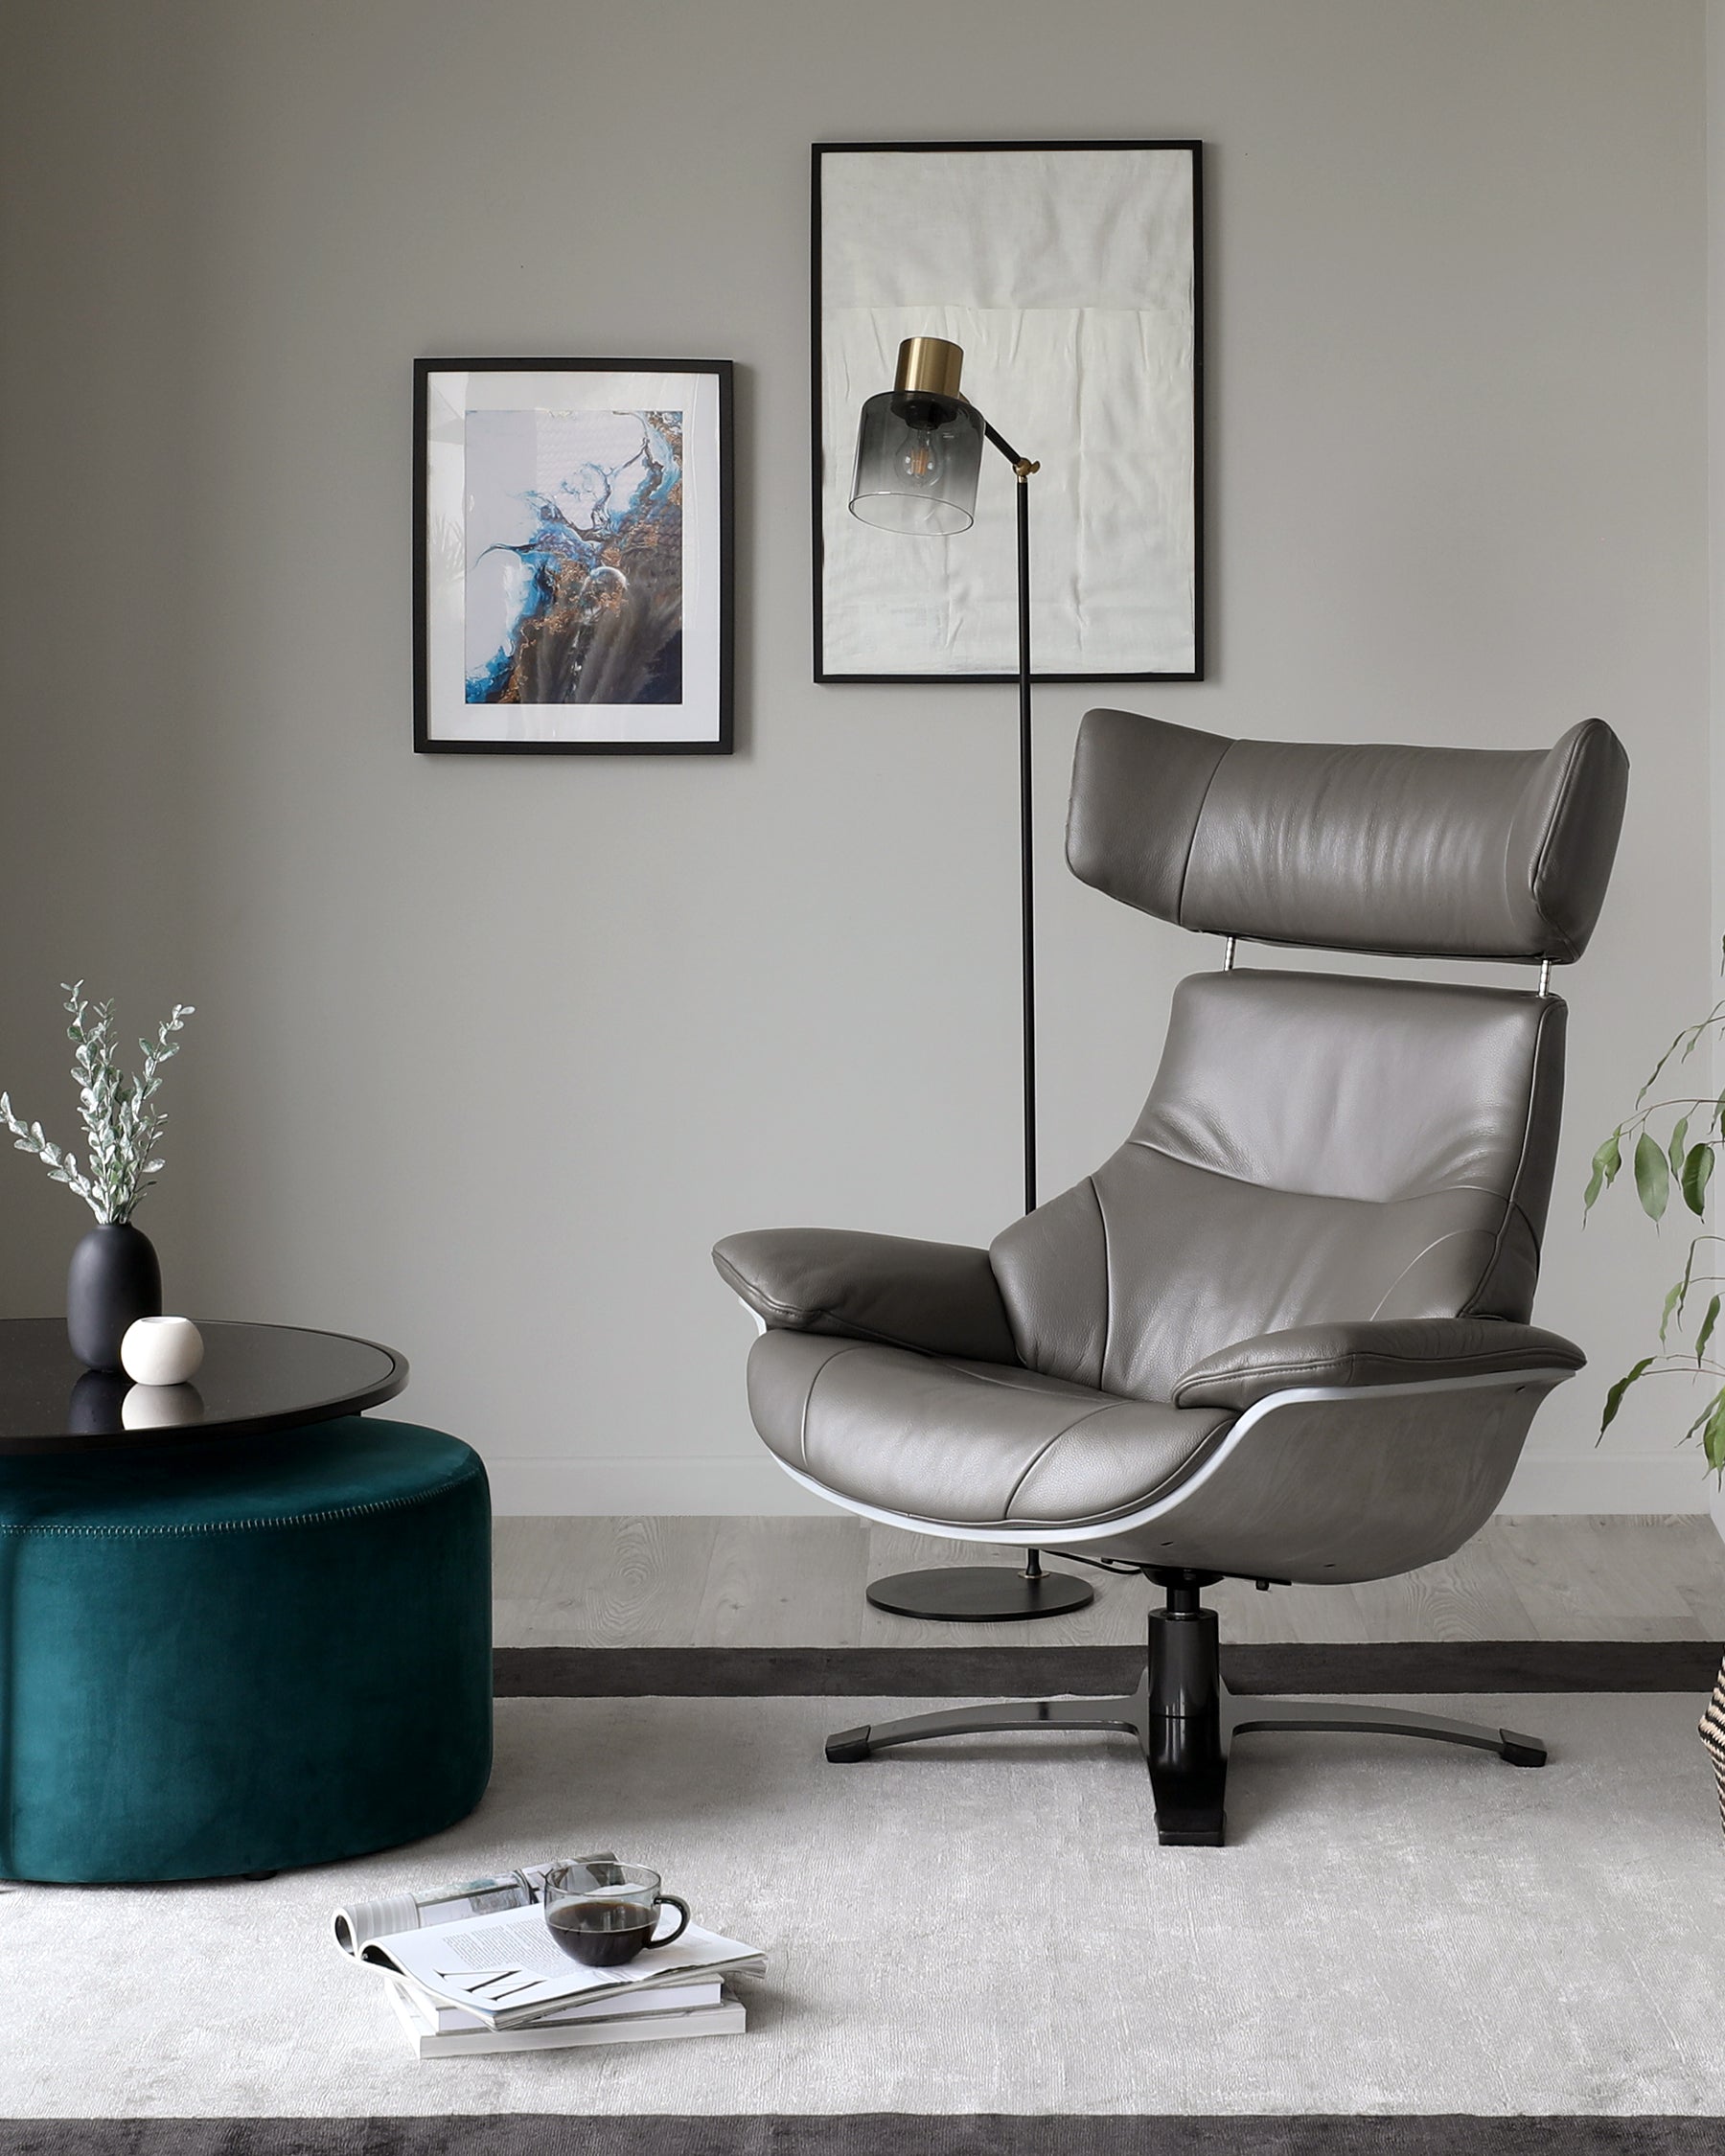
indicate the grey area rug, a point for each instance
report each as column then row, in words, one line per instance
column 984, row 1927
column 984, row 1672
column 880, row 2133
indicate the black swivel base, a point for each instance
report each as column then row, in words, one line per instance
column 1184, row 1719
column 982, row 1593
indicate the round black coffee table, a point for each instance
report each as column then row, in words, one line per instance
column 253, row 1379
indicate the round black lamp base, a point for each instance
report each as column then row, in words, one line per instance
column 979, row 1594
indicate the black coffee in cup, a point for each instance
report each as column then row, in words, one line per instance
column 602, row 1936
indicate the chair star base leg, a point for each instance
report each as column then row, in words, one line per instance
column 1017, row 1714
column 1184, row 1719
column 1510, row 1745
column 1185, row 1754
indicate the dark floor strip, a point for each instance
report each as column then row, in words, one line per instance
column 1481, row 1666
column 880, row 2133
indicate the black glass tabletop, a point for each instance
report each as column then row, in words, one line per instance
column 253, row 1378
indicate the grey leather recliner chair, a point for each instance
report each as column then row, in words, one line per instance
column 1282, row 1334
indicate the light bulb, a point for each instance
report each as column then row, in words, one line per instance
column 920, row 460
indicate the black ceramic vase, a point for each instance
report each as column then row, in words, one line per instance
column 113, row 1279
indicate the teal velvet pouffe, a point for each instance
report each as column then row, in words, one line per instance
column 242, row 1655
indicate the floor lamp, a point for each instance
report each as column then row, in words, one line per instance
column 919, row 454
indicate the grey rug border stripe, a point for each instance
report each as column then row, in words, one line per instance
column 878, row 2133
column 981, row 1672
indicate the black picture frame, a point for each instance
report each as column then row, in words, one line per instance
column 426, row 739
column 821, row 151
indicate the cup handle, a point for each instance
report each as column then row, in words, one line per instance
column 674, row 1901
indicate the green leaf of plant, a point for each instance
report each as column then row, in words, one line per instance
column 1606, row 1162
column 1614, row 1399
column 1712, row 1437
column 1674, row 1151
column 1705, row 1333
column 1678, row 1299
column 1652, row 1177
column 1697, row 1173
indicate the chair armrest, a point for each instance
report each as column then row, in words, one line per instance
column 939, row 1297
column 1374, row 1351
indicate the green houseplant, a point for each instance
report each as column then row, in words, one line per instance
column 114, row 1275
column 1673, row 1163
column 1680, row 1160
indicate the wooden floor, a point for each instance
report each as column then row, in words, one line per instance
column 799, row 1582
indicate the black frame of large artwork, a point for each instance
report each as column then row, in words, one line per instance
column 424, row 741
column 1195, row 150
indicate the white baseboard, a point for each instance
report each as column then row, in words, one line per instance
column 749, row 1483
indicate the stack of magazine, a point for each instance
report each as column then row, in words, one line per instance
column 473, row 1968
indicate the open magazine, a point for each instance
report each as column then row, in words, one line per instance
column 483, row 1949
column 391, row 1913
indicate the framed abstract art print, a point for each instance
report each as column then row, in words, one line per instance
column 572, row 571
column 1070, row 274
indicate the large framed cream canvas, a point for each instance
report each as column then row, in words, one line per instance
column 1072, row 275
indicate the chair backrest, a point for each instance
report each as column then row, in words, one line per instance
column 1318, row 1147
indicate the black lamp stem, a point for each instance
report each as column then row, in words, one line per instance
column 1021, row 468
column 1021, row 472
column 1026, row 882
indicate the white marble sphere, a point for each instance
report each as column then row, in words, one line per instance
column 161, row 1350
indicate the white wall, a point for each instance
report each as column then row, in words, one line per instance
column 1715, row 468
column 488, row 1053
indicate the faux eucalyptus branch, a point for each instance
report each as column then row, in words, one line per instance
column 1683, row 1163
column 117, row 1108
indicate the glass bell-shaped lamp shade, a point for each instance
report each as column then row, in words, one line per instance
column 918, row 456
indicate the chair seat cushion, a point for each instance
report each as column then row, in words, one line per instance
column 962, row 1443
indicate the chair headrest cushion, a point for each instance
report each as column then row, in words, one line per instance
column 1452, row 853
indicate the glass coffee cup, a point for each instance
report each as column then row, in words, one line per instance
column 601, row 1913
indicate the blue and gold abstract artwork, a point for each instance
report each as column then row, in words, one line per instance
column 574, row 542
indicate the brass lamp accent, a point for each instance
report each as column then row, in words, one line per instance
column 928, row 367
